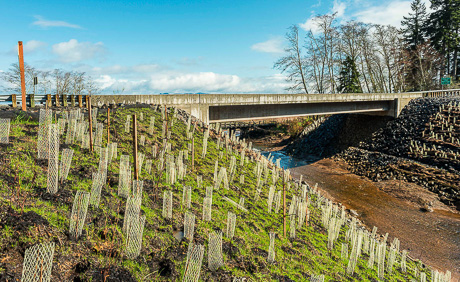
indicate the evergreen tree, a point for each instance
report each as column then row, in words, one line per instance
column 349, row 77
column 414, row 26
column 443, row 30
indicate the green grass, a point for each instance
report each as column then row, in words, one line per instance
column 297, row 259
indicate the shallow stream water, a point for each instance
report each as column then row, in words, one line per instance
column 432, row 237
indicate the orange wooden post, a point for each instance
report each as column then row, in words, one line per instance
column 80, row 101
column 21, row 70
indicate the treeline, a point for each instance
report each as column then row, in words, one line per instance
column 57, row 81
column 359, row 57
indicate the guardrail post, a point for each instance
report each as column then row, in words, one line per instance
column 72, row 100
column 64, row 100
column 57, row 100
column 13, row 100
column 48, row 100
column 31, row 100
column 80, row 101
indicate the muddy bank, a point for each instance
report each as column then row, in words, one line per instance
column 432, row 237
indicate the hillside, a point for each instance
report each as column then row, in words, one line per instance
column 30, row 215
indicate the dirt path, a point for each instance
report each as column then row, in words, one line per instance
column 432, row 237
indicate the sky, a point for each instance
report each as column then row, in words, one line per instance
column 150, row 47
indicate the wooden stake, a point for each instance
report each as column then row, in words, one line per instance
column 21, row 70
column 284, row 206
column 136, row 168
column 108, row 126
column 90, row 125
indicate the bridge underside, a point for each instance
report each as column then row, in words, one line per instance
column 254, row 112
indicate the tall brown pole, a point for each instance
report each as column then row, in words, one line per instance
column 136, row 168
column 284, row 206
column 21, row 70
column 108, row 126
column 90, row 125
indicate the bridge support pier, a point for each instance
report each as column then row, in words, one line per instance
column 200, row 111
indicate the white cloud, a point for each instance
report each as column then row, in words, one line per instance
column 173, row 81
column 33, row 45
column 74, row 51
column 42, row 22
column 310, row 25
column 274, row 45
column 339, row 8
column 387, row 14
column 193, row 82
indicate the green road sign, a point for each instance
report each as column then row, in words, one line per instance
column 445, row 80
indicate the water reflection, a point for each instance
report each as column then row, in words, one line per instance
column 286, row 161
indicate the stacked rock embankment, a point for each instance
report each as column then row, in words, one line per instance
column 422, row 146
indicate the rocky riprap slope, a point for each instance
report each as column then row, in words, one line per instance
column 335, row 134
column 421, row 146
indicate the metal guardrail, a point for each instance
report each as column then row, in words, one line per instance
column 32, row 100
column 80, row 100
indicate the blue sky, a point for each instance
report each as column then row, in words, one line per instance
column 170, row 46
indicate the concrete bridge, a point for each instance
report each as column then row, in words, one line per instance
column 212, row 108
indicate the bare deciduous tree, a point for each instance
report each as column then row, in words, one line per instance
column 13, row 77
column 293, row 63
column 62, row 81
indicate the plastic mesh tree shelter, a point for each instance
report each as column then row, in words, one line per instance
column 207, row 207
column 66, row 160
column 167, row 204
column 187, row 196
column 43, row 133
column 133, row 208
column 189, row 225
column 53, row 161
column 96, row 189
column 124, row 176
column 4, row 130
column 38, row 262
column 134, row 237
column 193, row 264
column 231, row 222
column 78, row 215
column 271, row 248
column 215, row 259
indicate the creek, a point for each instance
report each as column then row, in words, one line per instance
column 433, row 237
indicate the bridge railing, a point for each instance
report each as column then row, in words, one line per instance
column 13, row 100
column 441, row 93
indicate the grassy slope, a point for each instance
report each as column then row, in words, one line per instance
column 162, row 256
